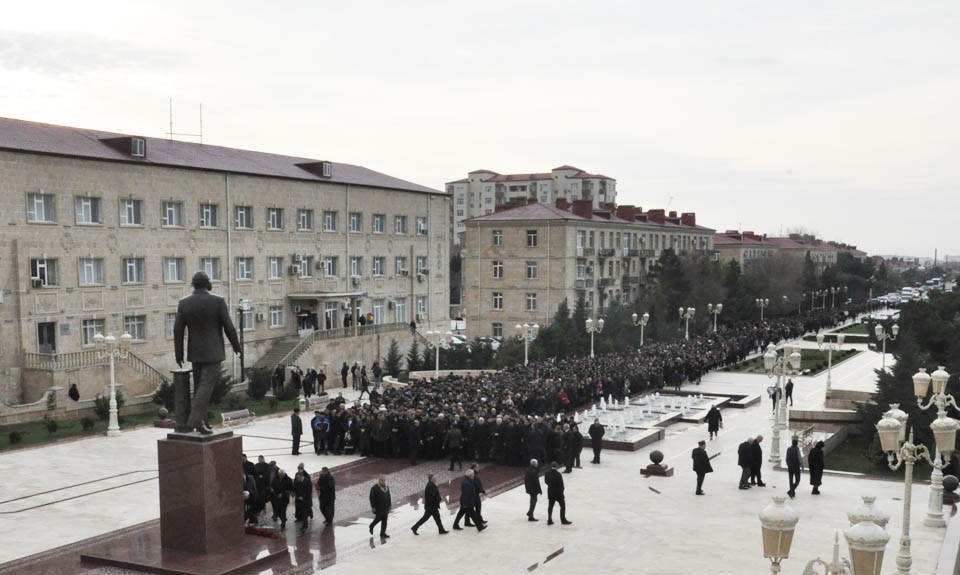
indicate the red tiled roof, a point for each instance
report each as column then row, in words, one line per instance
column 537, row 211
column 463, row 181
column 566, row 167
column 518, row 177
column 22, row 136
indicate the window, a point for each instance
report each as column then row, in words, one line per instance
column 356, row 266
column 531, row 302
column 400, row 265
column 304, row 220
column 421, row 226
column 329, row 221
column 400, row 225
column 378, row 305
column 497, row 238
column 136, row 326
column 172, row 214
column 421, row 305
column 173, row 269
column 169, row 321
column 460, row 200
column 244, row 268
column 378, row 264
column 497, row 269
column 497, row 329
column 134, row 271
column 488, row 200
column 329, row 265
column 531, row 238
column 244, row 219
column 581, row 269
column 247, row 319
column 138, row 147
column 459, row 213
column 421, row 264
column 131, row 213
column 274, row 268
column 400, row 310
column 44, row 270
column 276, row 316
column 379, row 223
column 208, row 216
column 274, row 218
column 306, row 267
column 40, row 208
column 531, row 270
column 91, row 327
column 211, row 267
column 497, row 300
column 88, row 211
column 356, row 222
column 91, row 271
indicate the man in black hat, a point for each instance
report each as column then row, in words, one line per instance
column 206, row 317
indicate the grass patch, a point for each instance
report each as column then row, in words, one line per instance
column 861, row 455
column 813, row 361
column 853, row 329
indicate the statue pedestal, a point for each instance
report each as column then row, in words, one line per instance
column 201, row 492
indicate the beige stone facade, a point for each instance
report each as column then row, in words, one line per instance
column 93, row 245
column 521, row 263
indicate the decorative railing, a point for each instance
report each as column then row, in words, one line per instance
column 607, row 252
column 583, row 283
column 90, row 358
column 302, row 346
column 605, row 282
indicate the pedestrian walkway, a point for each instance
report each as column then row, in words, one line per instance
column 622, row 522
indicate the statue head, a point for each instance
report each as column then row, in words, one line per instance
column 201, row 281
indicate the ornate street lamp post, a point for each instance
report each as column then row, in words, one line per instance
column 527, row 333
column 439, row 340
column 592, row 328
column 762, row 303
column 108, row 347
column 778, row 521
column 715, row 310
column 641, row 321
column 830, row 348
column 780, row 366
column 944, row 432
column 686, row 314
column 883, row 336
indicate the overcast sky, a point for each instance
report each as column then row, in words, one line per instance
column 837, row 117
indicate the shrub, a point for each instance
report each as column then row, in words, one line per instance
column 164, row 395
column 273, row 403
column 101, row 405
column 233, row 402
column 221, row 388
column 15, row 437
column 287, row 393
column 51, row 425
column 259, row 382
column 87, row 423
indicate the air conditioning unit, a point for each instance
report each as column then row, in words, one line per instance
column 403, row 273
column 346, row 305
column 420, row 277
column 322, row 265
column 589, row 270
column 297, row 257
column 36, row 282
column 391, row 304
column 294, row 270
column 261, row 316
column 355, row 280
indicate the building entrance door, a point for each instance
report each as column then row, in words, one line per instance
column 47, row 337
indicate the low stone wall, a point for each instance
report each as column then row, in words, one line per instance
column 58, row 405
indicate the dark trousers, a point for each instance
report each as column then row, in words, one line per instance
column 317, row 443
column 205, row 377
column 596, row 454
column 470, row 514
column 456, row 455
column 427, row 514
column 700, row 477
column 280, row 508
column 326, row 509
column 794, row 478
column 296, row 444
column 563, row 508
column 755, row 473
column 380, row 518
column 744, row 475
column 533, row 504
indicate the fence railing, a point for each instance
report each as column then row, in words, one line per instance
column 90, row 358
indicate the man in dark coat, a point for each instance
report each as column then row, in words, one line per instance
column 714, row 421
column 531, row 483
column 431, row 506
column 281, row 487
column 756, row 462
column 701, row 464
column 468, row 500
column 745, row 461
column 577, row 444
column 478, row 485
column 596, row 432
column 554, row 482
column 206, row 318
column 794, row 467
column 380, row 505
column 343, row 374
column 326, row 493
column 296, row 429
column 303, row 499
column 414, row 441
column 453, row 441
column 815, row 463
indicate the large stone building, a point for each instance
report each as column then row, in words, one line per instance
column 482, row 191
column 521, row 262
column 104, row 231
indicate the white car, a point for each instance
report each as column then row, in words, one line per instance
column 493, row 342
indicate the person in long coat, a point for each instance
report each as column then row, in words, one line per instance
column 468, row 502
column 701, row 464
column 303, row 499
column 326, row 493
column 555, row 489
column 531, row 482
column 745, row 460
column 794, row 467
column 815, row 465
column 380, row 505
column 280, row 487
column 596, row 432
column 714, row 421
column 431, row 506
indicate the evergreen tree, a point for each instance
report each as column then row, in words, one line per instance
column 413, row 357
column 391, row 363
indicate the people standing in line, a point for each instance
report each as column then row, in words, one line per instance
column 296, row 429
column 745, row 460
column 756, row 465
column 326, row 494
column 431, row 506
column 701, row 464
column 303, row 499
column 596, row 432
column 453, row 441
column 478, row 507
column 380, row 505
column 321, row 381
column 714, row 421
column 815, row 464
column 280, row 489
column 794, row 467
column 468, row 502
column 555, row 489
column 788, row 389
column 343, row 374
column 531, row 483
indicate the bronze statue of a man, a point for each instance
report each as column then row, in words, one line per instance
column 206, row 317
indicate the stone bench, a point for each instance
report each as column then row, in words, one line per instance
column 235, row 418
column 317, row 402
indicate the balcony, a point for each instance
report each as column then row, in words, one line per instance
column 583, row 252
column 607, row 252
column 647, row 253
column 583, row 283
column 630, row 252
column 605, row 282
column 631, row 280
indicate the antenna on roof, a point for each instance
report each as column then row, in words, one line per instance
column 171, row 133
column 669, row 201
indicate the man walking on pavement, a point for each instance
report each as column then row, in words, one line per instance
column 789, row 391
column 468, row 500
column 794, row 467
column 380, row 505
column 745, row 460
column 531, row 483
column 431, row 506
column 555, row 488
column 701, row 464
column 756, row 464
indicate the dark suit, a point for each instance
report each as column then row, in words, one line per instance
column 701, row 466
column 326, row 493
column 468, row 500
column 794, row 467
column 431, row 507
column 380, row 503
column 744, row 460
column 756, row 464
column 206, row 317
column 555, row 489
column 296, row 430
column 531, row 482
column 596, row 432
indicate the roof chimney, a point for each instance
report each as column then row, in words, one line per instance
column 628, row 213
column 689, row 219
column 562, row 204
column 656, row 216
column 583, row 208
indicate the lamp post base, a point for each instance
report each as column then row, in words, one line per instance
column 113, row 427
column 934, row 517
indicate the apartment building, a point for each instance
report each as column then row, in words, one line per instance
column 482, row 191
column 745, row 248
column 104, row 231
column 522, row 261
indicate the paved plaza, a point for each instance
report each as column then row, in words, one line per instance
column 79, row 493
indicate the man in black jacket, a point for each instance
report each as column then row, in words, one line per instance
column 756, row 464
column 431, row 506
column 555, row 488
column 596, row 432
column 745, row 461
column 531, row 482
column 468, row 500
column 296, row 429
column 380, row 505
column 478, row 484
column 794, row 467
column 327, row 495
column 281, row 487
column 701, row 464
